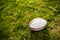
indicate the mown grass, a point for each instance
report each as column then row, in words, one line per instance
column 15, row 16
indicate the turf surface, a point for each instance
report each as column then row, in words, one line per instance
column 15, row 16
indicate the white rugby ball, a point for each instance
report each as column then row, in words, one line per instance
column 37, row 24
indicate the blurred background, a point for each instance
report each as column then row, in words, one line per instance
column 15, row 16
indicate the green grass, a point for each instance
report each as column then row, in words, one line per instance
column 15, row 16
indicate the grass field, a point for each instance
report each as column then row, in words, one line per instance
column 15, row 16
